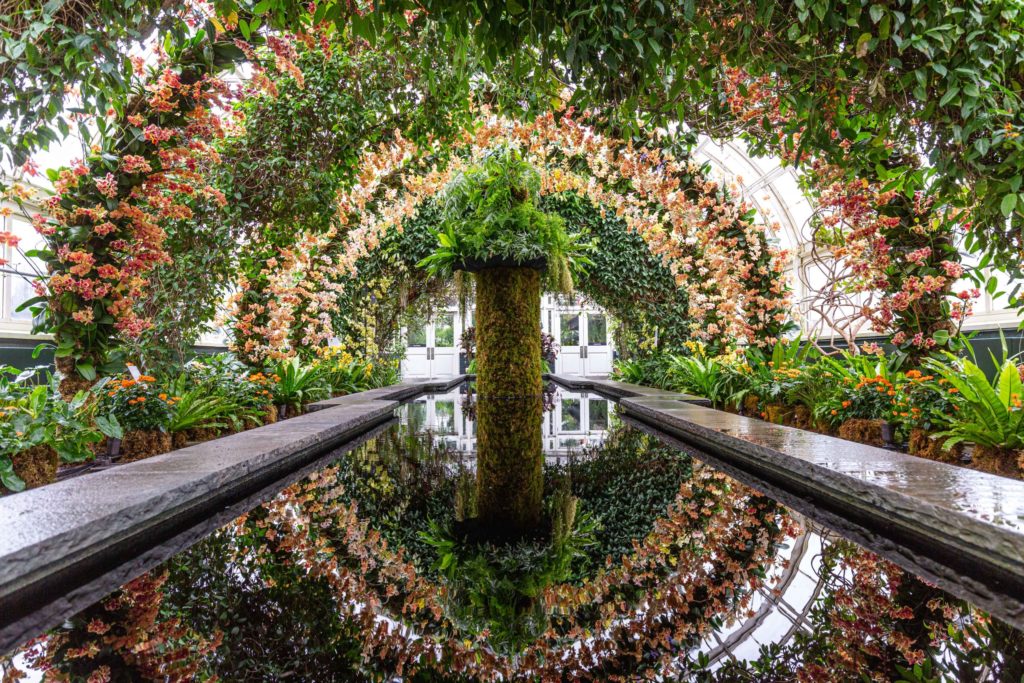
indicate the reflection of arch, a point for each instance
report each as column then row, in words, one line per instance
column 785, row 606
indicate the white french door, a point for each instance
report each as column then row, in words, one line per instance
column 430, row 348
column 583, row 337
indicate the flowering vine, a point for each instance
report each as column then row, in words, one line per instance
column 708, row 240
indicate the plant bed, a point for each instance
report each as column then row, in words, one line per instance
column 36, row 466
column 1006, row 462
column 750, row 405
column 139, row 444
column 923, row 445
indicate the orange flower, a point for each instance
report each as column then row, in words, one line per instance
column 163, row 397
column 846, row 404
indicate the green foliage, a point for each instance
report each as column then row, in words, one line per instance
column 992, row 412
column 625, row 279
column 201, row 406
column 625, row 484
column 297, row 384
column 35, row 415
column 490, row 214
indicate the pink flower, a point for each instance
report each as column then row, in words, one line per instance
column 107, row 185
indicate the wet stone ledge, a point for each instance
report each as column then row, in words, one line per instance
column 65, row 545
column 959, row 528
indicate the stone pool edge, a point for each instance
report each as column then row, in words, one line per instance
column 60, row 537
column 921, row 530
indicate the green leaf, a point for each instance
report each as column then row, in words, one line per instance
column 1008, row 204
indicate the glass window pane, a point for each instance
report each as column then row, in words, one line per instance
column 597, row 330
column 444, row 330
column 570, row 329
column 598, row 414
column 28, row 268
column 417, row 333
column 570, row 414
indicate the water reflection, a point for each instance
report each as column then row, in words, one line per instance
column 650, row 564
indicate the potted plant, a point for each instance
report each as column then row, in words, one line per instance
column 991, row 414
column 39, row 430
column 144, row 412
column 862, row 410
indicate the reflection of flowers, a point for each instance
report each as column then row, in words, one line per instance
column 664, row 593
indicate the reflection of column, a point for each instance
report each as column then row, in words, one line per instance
column 509, row 412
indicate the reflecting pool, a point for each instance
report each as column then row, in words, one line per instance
column 646, row 564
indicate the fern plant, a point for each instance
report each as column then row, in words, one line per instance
column 991, row 413
column 298, row 383
column 489, row 214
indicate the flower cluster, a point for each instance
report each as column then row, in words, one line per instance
column 138, row 403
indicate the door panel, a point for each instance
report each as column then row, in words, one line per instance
column 570, row 361
column 598, row 359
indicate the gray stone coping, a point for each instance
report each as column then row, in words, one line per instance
column 960, row 528
column 59, row 541
column 615, row 389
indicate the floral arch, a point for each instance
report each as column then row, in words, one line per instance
column 700, row 229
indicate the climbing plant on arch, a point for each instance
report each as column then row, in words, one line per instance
column 707, row 237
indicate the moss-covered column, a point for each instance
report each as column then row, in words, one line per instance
column 509, row 409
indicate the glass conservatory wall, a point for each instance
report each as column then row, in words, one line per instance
column 775, row 193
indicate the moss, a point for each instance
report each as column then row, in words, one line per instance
column 140, row 444
column 863, row 431
column 36, row 466
column 509, row 410
column 924, row 446
column 1001, row 461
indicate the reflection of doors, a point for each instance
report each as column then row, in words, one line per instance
column 584, row 341
column 430, row 348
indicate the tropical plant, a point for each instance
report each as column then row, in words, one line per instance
column 297, row 384
column 699, row 375
column 992, row 412
column 347, row 377
column 489, row 214
column 648, row 371
column 202, row 406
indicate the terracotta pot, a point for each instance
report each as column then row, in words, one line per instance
column 924, row 446
column 140, row 444
column 778, row 413
column 1005, row 462
column 750, row 404
column 36, row 466
column 863, row 431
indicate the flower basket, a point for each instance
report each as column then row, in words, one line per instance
column 474, row 265
column 36, row 466
column 1002, row 461
column 924, row 446
column 139, row 444
column 870, row 432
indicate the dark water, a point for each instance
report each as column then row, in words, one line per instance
column 649, row 565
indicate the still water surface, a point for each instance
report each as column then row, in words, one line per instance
column 649, row 564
